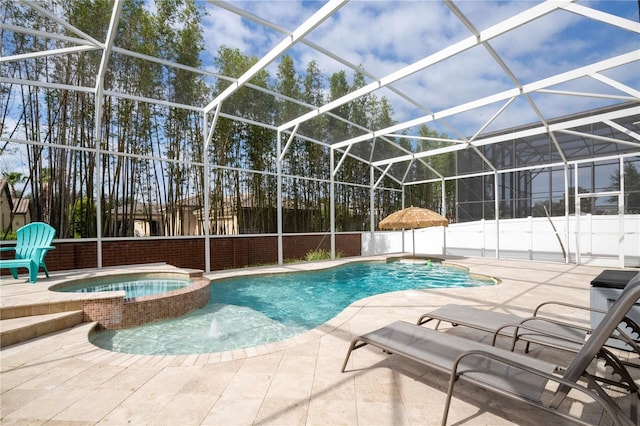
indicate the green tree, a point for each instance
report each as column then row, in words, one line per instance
column 79, row 212
column 316, row 156
column 230, row 143
column 13, row 178
column 288, row 84
column 183, row 44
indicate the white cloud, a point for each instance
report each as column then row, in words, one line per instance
column 14, row 156
column 222, row 28
column 385, row 36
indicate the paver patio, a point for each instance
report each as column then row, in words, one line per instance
column 63, row 379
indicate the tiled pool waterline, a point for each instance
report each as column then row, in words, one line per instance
column 63, row 379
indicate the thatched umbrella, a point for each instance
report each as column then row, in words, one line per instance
column 412, row 218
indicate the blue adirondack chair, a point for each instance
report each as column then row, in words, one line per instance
column 34, row 241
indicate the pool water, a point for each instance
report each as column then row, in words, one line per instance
column 256, row 310
column 132, row 287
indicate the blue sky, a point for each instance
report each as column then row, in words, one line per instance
column 384, row 36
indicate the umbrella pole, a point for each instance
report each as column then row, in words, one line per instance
column 413, row 240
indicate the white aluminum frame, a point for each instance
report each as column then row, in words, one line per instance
column 502, row 100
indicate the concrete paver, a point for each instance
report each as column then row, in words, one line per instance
column 63, row 379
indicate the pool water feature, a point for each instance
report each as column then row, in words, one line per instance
column 260, row 309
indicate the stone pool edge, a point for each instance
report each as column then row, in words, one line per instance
column 316, row 333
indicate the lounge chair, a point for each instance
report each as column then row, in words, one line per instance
column 537, row 329
column 33, row 243
column 512, row 374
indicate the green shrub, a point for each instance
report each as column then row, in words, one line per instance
column 320, row 254
column 10, row 236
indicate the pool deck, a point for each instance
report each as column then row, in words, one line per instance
column 61, row 379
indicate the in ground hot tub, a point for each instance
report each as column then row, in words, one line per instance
column 133, row 286
column 118, row 301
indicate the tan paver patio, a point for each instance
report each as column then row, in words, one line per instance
column 63, row 379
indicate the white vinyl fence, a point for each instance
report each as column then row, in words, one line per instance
column 598, row 240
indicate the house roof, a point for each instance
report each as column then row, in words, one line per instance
column 21, row 205
column 17, row 205
column 5, row 191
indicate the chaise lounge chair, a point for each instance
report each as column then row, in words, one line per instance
column 33, row 243
column 537, row 329
column 512, row 374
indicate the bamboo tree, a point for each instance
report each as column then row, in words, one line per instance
column 259, row 149
column 338, row 87
column 360, row 113
column 227, row 140
column 184, row 47
column 382, row 117
column 29, row 119
column 62, row 180
column 430, row 195
column 288, row 84
column 317, row 157
column 121, row 132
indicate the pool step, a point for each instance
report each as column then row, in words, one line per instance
column 39, row 308
column 20, row 329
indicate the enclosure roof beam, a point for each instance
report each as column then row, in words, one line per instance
column 448, row 52
column 230, row 7
column 63, row 23
column 424, row 138
column 46, row 84
column 104, row 61
column 504, row 68
column 616, row 61
column 407, row 170
column 492, row 119
column 587, row 95
column 622, row 129
column 44, row 34
column 564, row 125
column 288, row 144
column 52, row 52
column 519, row 169
column 607, row 18
column 214, row 121
column 170, row 64
column 344, row 157
column 309, row 25
column 616, row 85
column 382, row 175
column 600, row 138
column 558, row 126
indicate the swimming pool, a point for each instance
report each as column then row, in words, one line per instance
column 255, row 310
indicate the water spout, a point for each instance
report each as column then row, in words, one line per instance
column 214, row 330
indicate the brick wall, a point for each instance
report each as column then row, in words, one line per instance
column 226, row 252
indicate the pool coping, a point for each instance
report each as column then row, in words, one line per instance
column 89, row 327
column 318, row 332
column 61, row 377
